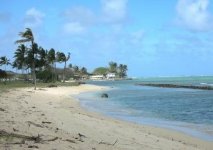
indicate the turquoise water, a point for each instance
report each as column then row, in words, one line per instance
column 186, row 110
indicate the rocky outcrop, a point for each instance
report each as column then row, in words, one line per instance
column 177, row 86
column 104, row 95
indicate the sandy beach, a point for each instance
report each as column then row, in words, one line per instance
column 51, row 119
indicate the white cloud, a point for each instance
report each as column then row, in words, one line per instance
column 77, row 20
column 80, row 14
column 194, row 14
column 33, row 18
column 74, row 28
column 114, row 11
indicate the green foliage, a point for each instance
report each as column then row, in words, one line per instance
column 4, row 61
column 44, row 76
column 83, row 71
column 3, row 74
column 100, row 71
column 112, row 67
column 122, row 69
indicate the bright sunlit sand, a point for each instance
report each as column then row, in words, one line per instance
column 54, row 120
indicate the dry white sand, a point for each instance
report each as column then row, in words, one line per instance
column 50, row 119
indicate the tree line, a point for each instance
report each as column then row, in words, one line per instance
column 120, row 70
column 40, row 62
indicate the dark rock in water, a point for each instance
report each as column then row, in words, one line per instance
column 104, row 95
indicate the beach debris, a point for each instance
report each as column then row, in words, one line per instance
column 1, row 109
column 104, row 95
column 46, row 122
column 52, row 85
column 33, row 146
column 71, row 141
column 53, row 139
column 102, row 142
column 80, row 137
column 15, row 130
column 35, row 124
column 13, row 138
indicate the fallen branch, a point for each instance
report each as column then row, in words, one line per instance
column 53, row 139
column 35, row 124
column 71, row 141
column 23, row 138
column 46, row 122
column 108, row 143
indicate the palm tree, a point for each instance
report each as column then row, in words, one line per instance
column 83, row 71
column 76, row 69
column 65, row 59
column 42, row 58
column 113, row 67
column 122, row 69
column 51, row 56
column 27, row 36
column 70, row 66
column 61, row 57
column 4, row 61
column 19, row 56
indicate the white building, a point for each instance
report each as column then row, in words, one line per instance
column 110, row 76
column 97, row 77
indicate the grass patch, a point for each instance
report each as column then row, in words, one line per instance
column 21, row 84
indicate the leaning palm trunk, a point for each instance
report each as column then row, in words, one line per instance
column 65, row 64
column 27, row 36
column 33, row 66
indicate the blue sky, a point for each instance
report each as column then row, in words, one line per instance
column 154, row 38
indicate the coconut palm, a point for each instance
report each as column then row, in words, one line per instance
column 112, row 67
column 76, row 69
column 70, row 66
column 27, row 36
column 51, row 56
column 4, row 61
column 83, row 71
column 122, row 69
column 63, row 58
column 42, row 59
column 20, row 56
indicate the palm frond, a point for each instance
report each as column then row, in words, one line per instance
column 22, row 41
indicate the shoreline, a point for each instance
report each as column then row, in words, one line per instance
column 53, row 112
column 189, row 129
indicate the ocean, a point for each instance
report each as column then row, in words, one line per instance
column 186, row 110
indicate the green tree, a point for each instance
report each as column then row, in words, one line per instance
column 100, row 71
column 20, row 55
column 76, row 69
column 52, row 59
column 4, row 61
column 70, row 66
column 113, row 67
column 122, row 70
column 83, row 71
column 61, row 57
column 42, row 62
column 27, row 36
